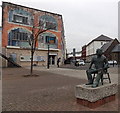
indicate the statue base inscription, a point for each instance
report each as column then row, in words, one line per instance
column 95, row 97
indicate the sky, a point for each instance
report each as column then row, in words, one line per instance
column 83, row 20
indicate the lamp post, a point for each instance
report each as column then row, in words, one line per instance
column 74, row 56
column 48, row 61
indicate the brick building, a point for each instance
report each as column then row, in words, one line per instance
column 17, row 26
column 84, row 53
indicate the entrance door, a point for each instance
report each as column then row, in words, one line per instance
column 52, row 59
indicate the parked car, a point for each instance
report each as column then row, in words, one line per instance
column 79, row 63
column 112, row 62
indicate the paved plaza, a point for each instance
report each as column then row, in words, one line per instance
column 78, row 72
column 52, row 90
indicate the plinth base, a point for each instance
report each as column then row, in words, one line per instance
column 93, row 105
column 95, row 97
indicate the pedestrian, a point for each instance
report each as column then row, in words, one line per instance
column 113, row 63
column 58, row 61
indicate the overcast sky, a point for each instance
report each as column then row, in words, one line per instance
column 84, row 20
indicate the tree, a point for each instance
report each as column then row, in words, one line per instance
column 36, row 31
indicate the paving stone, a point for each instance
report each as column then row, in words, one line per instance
column 48, row 92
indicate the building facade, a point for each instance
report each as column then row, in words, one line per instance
column 92, row 46
column 84, row 53
column 19, row 22
column 108, row 47
column 116, row 53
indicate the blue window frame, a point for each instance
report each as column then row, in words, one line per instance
column 18, row 37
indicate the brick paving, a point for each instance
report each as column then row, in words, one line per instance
column 47, row 92
column 78, row 73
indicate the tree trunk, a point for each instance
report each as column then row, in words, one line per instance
column 48, row 58
column 32, row 53
column 31, row 71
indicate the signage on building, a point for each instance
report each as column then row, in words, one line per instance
column 53, row 54
column 35, row 58
column 50, row 40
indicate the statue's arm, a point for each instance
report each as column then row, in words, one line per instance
column 91, row 63
column 106, row 63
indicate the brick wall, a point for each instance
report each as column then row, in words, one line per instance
column 7, row 26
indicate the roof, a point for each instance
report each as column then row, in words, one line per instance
column 106, row 46
column 32, row 8
column 116, row 48
column 101, row 38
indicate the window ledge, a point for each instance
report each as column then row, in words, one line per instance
column 13, row 47
column 47, row 49
column 20, row 24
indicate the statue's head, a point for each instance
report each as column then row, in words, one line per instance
column 99, row 52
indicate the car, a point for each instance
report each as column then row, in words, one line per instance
column 112, row 62
column 81, row 63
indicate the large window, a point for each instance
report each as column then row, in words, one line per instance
column 18, row 37
column 20, row 19
column 20, row 16
column 48, row 22
column 48, row 38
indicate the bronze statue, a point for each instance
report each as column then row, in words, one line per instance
column 100, row 64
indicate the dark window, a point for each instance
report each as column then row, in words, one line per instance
column 20, row 19
column 101, row 43
column 16, row 37
column 19, row 36
column 25, row 20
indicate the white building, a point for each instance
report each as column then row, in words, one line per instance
column 77, row 54
column 95, row 44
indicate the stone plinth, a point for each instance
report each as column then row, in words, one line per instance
column 94, row 97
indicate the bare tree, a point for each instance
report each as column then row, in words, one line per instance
column 36, row 31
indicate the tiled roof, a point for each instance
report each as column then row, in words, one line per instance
column 106, row 46
column 116, row 48
column 103, row 38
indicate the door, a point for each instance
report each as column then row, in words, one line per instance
column 52, row 59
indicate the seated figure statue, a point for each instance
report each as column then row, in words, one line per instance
column 100, row 64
